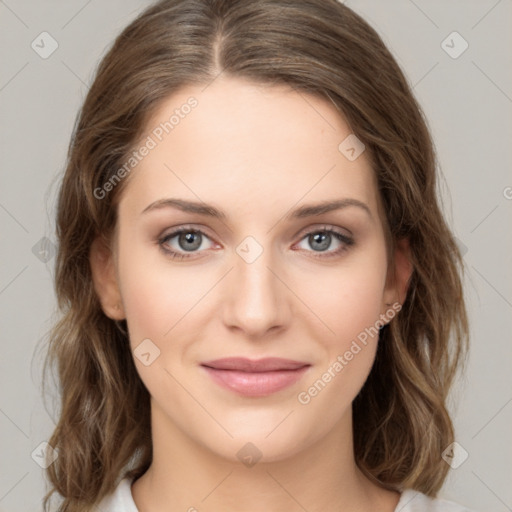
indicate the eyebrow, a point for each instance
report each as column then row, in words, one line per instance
column 299, row 213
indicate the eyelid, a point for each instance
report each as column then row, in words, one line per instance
column 324, row 227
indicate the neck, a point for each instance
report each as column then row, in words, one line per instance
column 186, row 475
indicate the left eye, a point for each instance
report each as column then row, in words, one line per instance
column 322, row 239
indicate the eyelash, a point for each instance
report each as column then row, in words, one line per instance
column 346, row 240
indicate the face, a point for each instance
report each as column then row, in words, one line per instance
column 249, row 270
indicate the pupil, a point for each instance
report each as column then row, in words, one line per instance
column 192, row 241
column 323, row 239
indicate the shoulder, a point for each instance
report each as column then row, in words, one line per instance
column 415, row 501
column 121, row 499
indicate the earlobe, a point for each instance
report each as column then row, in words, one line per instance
column 105, row 279
column 399, row 275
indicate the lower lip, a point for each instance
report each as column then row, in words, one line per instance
column 255, row 383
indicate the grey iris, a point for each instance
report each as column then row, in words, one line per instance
column 192, row 241
column 323, row 238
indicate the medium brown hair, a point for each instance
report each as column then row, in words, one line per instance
column 320, row 47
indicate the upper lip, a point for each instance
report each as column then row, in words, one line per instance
column 267, row 364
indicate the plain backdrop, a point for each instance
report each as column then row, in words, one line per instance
column 467, row 99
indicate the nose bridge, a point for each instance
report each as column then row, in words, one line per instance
column 256, row 302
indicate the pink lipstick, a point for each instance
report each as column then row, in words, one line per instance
column 250, row 377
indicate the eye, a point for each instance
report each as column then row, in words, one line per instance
column 321, row 239
column 182, row 243
column 188, row 240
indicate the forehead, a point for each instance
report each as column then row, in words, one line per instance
column 251, row 146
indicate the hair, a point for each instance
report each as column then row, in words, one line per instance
column 401, row 424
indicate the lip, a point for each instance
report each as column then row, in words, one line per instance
column 249, row 377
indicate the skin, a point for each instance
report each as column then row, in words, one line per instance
column 255, row 153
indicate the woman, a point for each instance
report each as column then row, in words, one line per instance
column 262, row 302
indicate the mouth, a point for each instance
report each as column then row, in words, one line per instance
column 255, row 378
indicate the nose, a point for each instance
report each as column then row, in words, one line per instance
column 256, row 299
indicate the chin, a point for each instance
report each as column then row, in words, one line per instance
column 264, row 442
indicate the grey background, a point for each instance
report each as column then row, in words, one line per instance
column 468, row 103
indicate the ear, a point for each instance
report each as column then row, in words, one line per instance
column 105, row 279
column 399, row 274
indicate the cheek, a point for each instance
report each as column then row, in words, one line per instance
column 351, row 309
column 157, row 294
column 348, row 299
column 159, row 306
column 148, row 309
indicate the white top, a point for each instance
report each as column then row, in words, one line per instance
column 121, row 500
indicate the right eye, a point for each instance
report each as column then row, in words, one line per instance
column 188, row 240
